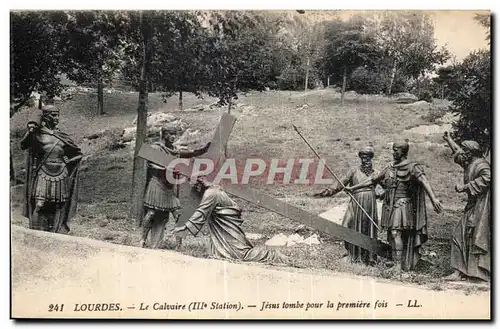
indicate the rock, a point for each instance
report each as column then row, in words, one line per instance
column 188, row 137
column 102, row 221
column 277, row 240
column 254, row 236
column 448, row 118
column 429, row 129
column 128, row 134
column 294, row 239
column 157, row 118
column 199, row 107
column 405, row 98
column 313, row 239
column 301, row 229
column 336, row 214
column 420, row 106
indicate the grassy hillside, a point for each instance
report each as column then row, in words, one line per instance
column 263, row 128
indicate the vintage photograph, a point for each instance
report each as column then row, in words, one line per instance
column 250, row 164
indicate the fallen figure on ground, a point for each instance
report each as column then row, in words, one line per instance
column 223, row 216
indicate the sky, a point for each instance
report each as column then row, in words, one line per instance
column 455, row 29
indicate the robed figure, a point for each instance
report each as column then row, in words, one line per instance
column 52, row 170
column 471, row 242
column 224, row 220
column 354, row 217
column 404, row 215
column 161, row 196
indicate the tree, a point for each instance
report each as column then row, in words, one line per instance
column 348, row 47
column 240, row 54
column 179, row 43
column 143, row 24
column 406, row 44
column 95, row 48
column 37, row 51
column 444, row 79
column 485, row 21
column 470, row 93
column 36, row 58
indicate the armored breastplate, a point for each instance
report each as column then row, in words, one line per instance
column 403, row 185
column 51, row 151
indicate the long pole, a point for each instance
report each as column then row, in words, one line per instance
column 331, row 172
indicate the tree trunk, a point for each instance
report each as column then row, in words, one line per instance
column 40, row 102
column 139, row 174
column 307, row 76
column 180, row 100
column 13, row 178
column 442, row 92
column 328, row 81
column 391, row 80
column 100, row 97
column 344, row 83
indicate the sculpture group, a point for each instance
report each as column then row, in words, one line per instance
column 51, row 190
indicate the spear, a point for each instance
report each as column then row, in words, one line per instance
column 331, row 172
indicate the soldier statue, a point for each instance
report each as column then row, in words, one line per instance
column 52, row 169
column 160, row 197
column 404, row 215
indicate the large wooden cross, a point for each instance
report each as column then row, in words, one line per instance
column 216, row 153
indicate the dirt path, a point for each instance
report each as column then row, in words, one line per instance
column 55, row 269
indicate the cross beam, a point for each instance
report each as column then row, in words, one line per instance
column 260, row 199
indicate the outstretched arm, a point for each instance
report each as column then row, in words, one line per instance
column 193, row 153
column 337, row 187
column 428, row 189
column 201, row 214
column 451, row 143
column 368, row 182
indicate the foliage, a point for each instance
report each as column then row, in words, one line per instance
column 485, row 21
column 406, row 43
column 470, row 93
column 95, row 45
column 37, row 52
column 443, row 80
column 348, row 46
column 364, row 81
column 241, row 55
column 180, row 55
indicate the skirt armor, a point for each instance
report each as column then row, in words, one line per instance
column 159, row 197
column 52, row 187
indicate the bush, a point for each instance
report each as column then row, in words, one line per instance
column 425, row 95
column 293, row 78
column 470, row 93
column 364, row 81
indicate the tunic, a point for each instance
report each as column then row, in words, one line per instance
column 355, row 218
column 50, row 179
column 228, row 241
column 404, row 207
column 471, row 242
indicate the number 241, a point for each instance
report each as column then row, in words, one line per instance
column 56, row 307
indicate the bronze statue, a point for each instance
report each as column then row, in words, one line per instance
column 52, row 168
column 471, row 242
column 161, row 197
column 223, row 216
column 404, row 214
column 354, row 217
